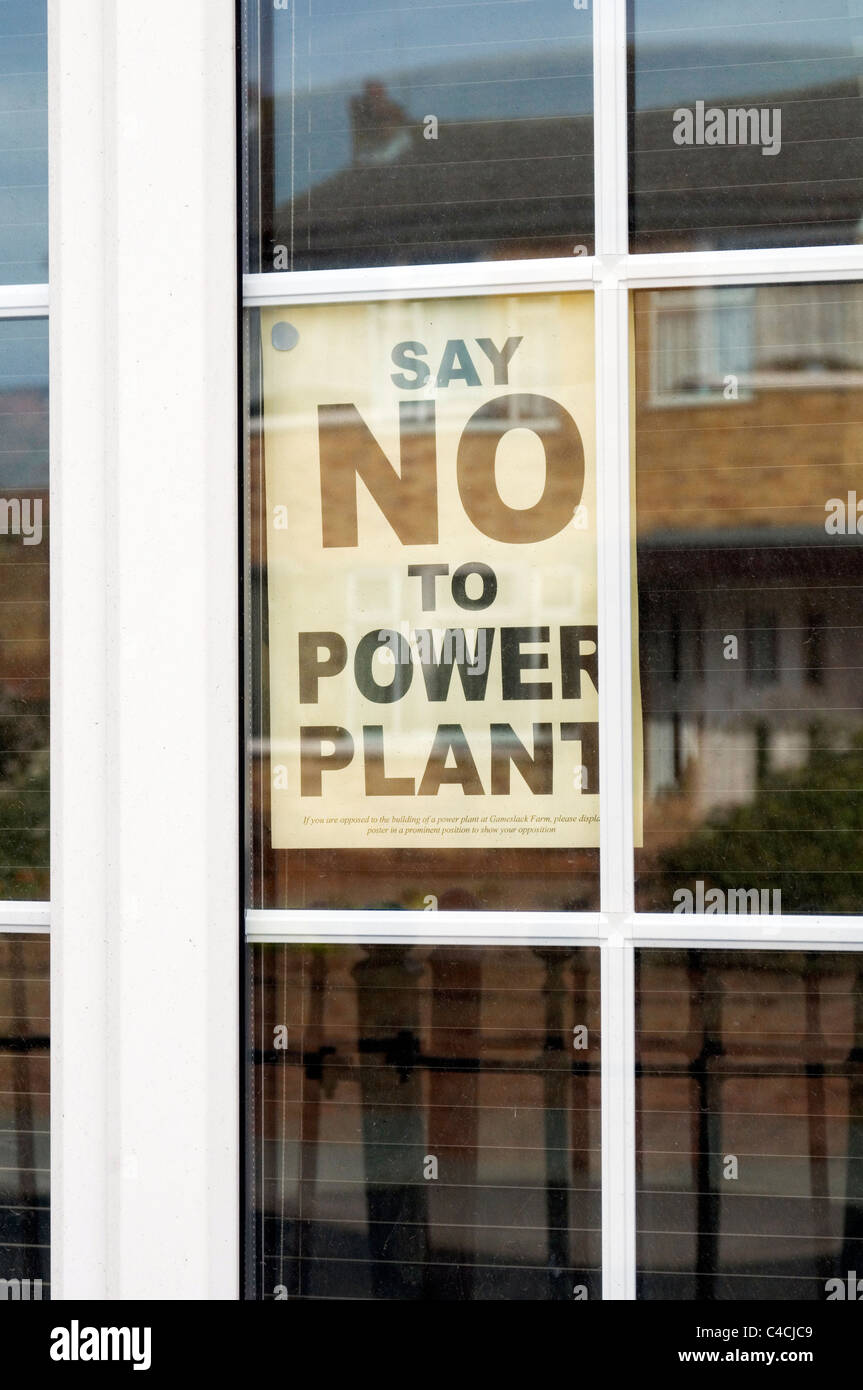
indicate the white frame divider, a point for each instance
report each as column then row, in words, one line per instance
column 23, row 301
column 144, row 650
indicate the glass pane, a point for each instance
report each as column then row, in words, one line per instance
column 425, row 1123
column 750, row 591
column 24, row 1118
column 423, row 642
column 23, row 142
column 746, row 124
column 455, row 130
column 750, row 1124
column 24, row 694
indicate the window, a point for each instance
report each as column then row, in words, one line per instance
column 748, row 1117
column 446, row 132
column 424, row 1126
column 463, row 265
column 24, row 671
column 743, row 124
column 736, row 503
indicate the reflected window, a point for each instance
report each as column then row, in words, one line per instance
column 749, row 1124
column 745, row 124
column 426, row 1123
column 456, row 130
column 746, row 501
column 762, row 648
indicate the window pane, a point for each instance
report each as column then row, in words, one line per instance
column 23, row 143
column 748, row 437
column 746, row 125
column 455, row 130
column 24, row 1118
column 24, row 694
column 424, row 641
column 425, row 1123
column 750, row 1116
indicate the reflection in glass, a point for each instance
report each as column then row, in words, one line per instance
column 425, row 1123
column 750, row 1124
column 24, row 1117
column 24, row 704
column 23, row 142
column 455, row 130
column 748, row 439
column 746, row 123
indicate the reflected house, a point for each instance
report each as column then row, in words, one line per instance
column 24, row 650
column 750, row 611
column 496, row 187
column 429, row 1132
column 511, row 185
column 753, row 1056
column 702, row 197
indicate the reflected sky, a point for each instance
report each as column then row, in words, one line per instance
column 460, row 61
column 800, row 62
column 23, row 143
column 694, row 49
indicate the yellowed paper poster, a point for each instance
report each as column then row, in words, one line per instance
column 431, row 573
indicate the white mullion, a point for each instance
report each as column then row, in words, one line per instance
column 616, row 789
column 617, row 1002
column 615, row 651
column 25, row 917
column 760, row 932
column 400, row 928
column 662, row 270
column 144, row 838
column 610, row 119
column 550, row 275
column 79, row 407
column 23, row 301
column 614, row 599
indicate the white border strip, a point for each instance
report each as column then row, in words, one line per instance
column 760, row 932
column 610, row 128
column 25, row 917
column 658, row 271
column 554, row 275
column 579, row 929
column 615, row 651
column 617, row 1005
column 23, row 301
column 400, row 928
column 145, row 1062
column 417, row 281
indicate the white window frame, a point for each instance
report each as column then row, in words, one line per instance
column 145, row 674
column 144, row 650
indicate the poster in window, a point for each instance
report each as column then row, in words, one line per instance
column 431, row 573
